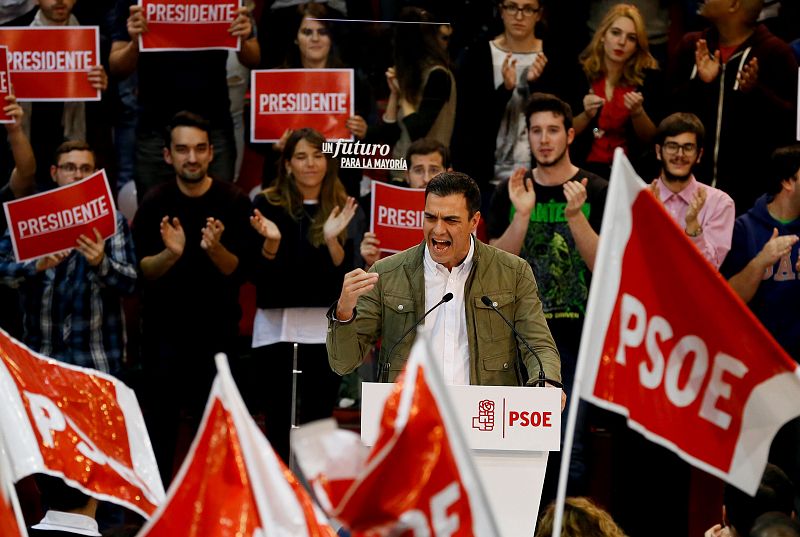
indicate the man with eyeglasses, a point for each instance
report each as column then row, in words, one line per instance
column 705, row 213
column 72, row 300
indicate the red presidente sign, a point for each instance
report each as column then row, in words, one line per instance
column 188, row 25
column 52, row 221
column 52, row 63
column 5, row 85
column 397, row 214
column 295, row 98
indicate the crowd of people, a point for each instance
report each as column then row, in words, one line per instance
column 530, row 98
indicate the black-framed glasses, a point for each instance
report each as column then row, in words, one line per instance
column 513, row 9
column 673, row 147
column 69, row 167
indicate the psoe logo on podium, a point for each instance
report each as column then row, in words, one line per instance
column 484, row 421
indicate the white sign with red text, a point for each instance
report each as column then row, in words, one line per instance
column 492, row 417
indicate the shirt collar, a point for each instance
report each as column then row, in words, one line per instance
column 69, row 522
column 687, row 194
column 465, row 265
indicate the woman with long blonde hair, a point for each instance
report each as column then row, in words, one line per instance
column 305, row 219
column 582, row 518
column 620, row 108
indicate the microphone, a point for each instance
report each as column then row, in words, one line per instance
column 531, row 382
column 384, row 370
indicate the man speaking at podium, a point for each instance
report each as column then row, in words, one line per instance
column 465, row 288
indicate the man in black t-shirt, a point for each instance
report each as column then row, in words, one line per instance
column 550, row 216
column 193, row 238
column 173, row 81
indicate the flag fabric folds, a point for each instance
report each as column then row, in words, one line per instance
column 668, row 344
column 418, row 477
column 232, row 483
column 78, row 424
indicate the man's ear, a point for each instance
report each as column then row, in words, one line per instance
column 167, row 156
column 658, row 151
column 699, row 155
column 570, row 136
column 53, row 172
column 474, row 222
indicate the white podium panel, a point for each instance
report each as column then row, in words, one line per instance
column 510, row 431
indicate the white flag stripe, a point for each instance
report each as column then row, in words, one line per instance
column 279, row 509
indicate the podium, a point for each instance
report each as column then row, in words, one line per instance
column 509, row 430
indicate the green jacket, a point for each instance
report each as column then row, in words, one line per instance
column 398, row 300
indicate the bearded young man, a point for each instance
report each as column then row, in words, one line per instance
column 706, row 213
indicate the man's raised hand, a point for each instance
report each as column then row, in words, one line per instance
column 520, row 192
column 356, row 283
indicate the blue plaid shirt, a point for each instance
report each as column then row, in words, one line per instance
column 73, row 311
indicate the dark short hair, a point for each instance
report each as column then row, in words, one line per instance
column 185, row 119
column 775, row 493
column 784, row 163
column 426, row 146
column 547, row 102
column 449, row 183
column 678, row 123
column 69, row 146
column 775, row 524
column 59, row 496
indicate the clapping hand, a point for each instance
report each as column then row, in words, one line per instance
column 339, row 219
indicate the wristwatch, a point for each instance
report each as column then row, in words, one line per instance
column 697, row 232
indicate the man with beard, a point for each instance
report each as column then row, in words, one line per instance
column 192, row 235
column 550, row 216
column 705, row 213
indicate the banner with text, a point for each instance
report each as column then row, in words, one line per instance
column 321, row 99
column 78, row 424
column 396, row 216
column 668, row 344
column 51, row 63
column 188, row 25
column 5, row 85
column 52, row 221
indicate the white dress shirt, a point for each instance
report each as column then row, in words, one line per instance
column 447, row 326
column 69, row 522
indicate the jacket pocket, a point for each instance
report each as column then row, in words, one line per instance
column 400, row 315
column 492, row 327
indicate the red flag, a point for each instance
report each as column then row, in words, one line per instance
column 78, row 424
column 668, row 344
column 11, row 522
column 232, row 483
column 419, row 476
